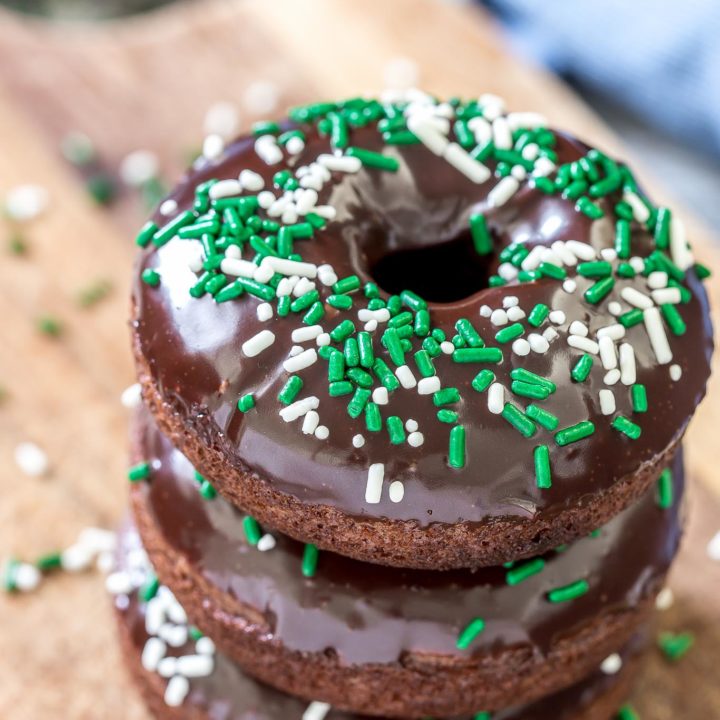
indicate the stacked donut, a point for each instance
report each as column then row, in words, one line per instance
column 415, row 377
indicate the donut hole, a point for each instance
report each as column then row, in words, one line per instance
column 440, row 273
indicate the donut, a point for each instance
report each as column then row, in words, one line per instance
column 420, row 333
column 402, row 643
column 224, row 691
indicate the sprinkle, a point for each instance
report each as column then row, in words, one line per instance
column 322, row 432
column 569, row 592
column 496, row 398
column 675, row 645
column 373, row 489
column 612, row 377
column 309, row 560
column 316, row 711
column 480, row 234
column 521, row 347
column 599, row 290
column 301, row 361
column 608, row 354
column 656, row 333
column 299, row 408
column 526, row 570
column 542, row 417
column 607, row 401
column 405, row 376
column 614, row 332
column 469, row 633
column 499, row 317
column 627, row 427
column 582, row 343
column 456, row 454
column 675, row 373
column 628, row 370
column 635, row 298
column 569, row 286
column 256, row 344
column 665, row 599
column 578, row 328
column 483, row 380
column 428, row 386
column 478, row 355
column 415, row 439
column 267, row 149
column 627, row 712
column 543, row 476
column 396, row 491
column 538, row 314
column 612, row 664
column 311, row 421
column 503, row 191
column 31, row 459
column 264, row 312
column 582, row 368
column 246, row 403
column 511, row 332
column 581, row 250
column 574, row 433
column 252, row 530
column 290, row 390
column 380, row 394
column 176, row 691
column 303, row 334
column 395, row 430
column 679, row 251
column 264, row 544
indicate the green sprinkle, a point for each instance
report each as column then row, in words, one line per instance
column 422, row 323
column 148, row 590
column 252, row 530
column 358, row 401
column 347, row 285
column 246, row 402
column 538, row 314
column 631, row 318
column 569, row 592
column 627, row 427
column 101, row 188
column 595, row 269
column 543, row 475
column 351, row 352
column 336, row 367
column 674, row 319
column 305, row 301
column 702, row 271
column 529, row 390
column 520, row 573
column 589, row 208
column 622, row 239
column 341, row 302
column 449, row 417
column 662, row 228
column 574, row 433
column 413, row 301
column 627, row 712
column 48, row 562
column 471, row 631
column 446, row 396
column 373, row 418
column 207, row 490
column 530, row 377
column 373, row 159
column 480, row 234
column 309, row 560
column 314, row 314
column 599, row 290
column 542, row 417
column 395, row 429
column 424, row 363
column 478, row 355
column 456, row 447
column 483, row 380
column 675, row 645
column 665, row 491
column 517, row 418
column 340, row 388
column 385, row 375
column 342, row 331
column 391, row 340
column 639, row 398
column 9, row 582
column 468, row 333
column 138, row 472
column 146, row 234
column 509, row 333
column 547, row 269
column 50, row 326
column 290, row 390
column 582, row 368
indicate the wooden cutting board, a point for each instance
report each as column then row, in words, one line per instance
column 146, row 83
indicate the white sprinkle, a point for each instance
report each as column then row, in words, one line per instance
column 27, row 577
column 581, row 250
column 425, row 131
column 302, row 286
column 628, row 369
column 131, row 396
column 263, row 273
column 299, row 408
column 612, row 664
column 76, row 558
column 222, row 118
column 543, row 167
column 264, row 312
column 295, row 350
column 481, row 128
column 153, row 652
column 139, row 167
column 316, row 711
column 204, row 645
column 549, row 256
column 340, row 163
column 166, row 667
column 569, row 286
column 31, row 459
column 323, row 339
column 358, row 441
column 256, row 344
column 607, row 402
column 637, row 264
column 713, row 547
column 679, row 251
column 461, row 160
column 521, row 347
column 515, row 313
column 304, row 360
column 530, row 151
column 608, row 254
column 405, row 376
column 615, row 308
column 557, row 317
column 670, row 295
column 612, row 377
column 119, row 583
column 538, row 343
column 411, row 425
column 568, row 258
column 584, row 344
column 657, row 279
column 154, row 616
column 286, row 286
column 261, row 97
column 373, row 490
column 213, row 147
column 496, row 398
column 176, row 691
column 265, row 543
column 225, row 188
column 310, row 422
column 415, row 439
column 447, row 347
column 252, row 181
column 640, row 210
column 428, row 385
column 550, row 334
column 510, row 301
column 579, row 328
column 306, row 332
column 174, row 635
column 608, row 353
column 268, row 150
column 485, row 311
column 174, row 609
column 665, row 599
column 499, row 317
column 675, row 373
column 194, row 666
column 238, row 267
column 291, row 267
column 656, row 333
column 503, row 191
column 615, row 332
column 168, row 207
column 502, row 134
column 371, row 325
column 380, row 395
column 396, row 491
column 325, row 211
column 518, row 172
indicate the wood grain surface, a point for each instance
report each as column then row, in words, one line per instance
column 146, row 83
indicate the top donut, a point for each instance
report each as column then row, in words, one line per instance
column 420, row 333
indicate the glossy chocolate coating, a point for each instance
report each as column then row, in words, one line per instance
column 374, row 614
column 192, row 347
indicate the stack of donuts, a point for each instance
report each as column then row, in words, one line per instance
column 415, row 375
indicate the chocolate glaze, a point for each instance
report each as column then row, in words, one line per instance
column 375, row 614
column 193, row 350
column 228, row 694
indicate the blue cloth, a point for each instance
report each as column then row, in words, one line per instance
column 661, row 59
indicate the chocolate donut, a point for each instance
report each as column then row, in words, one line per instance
column 401, row 643
column 227, row 694
column 420, row 333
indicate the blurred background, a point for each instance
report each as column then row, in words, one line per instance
column 103, row 103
